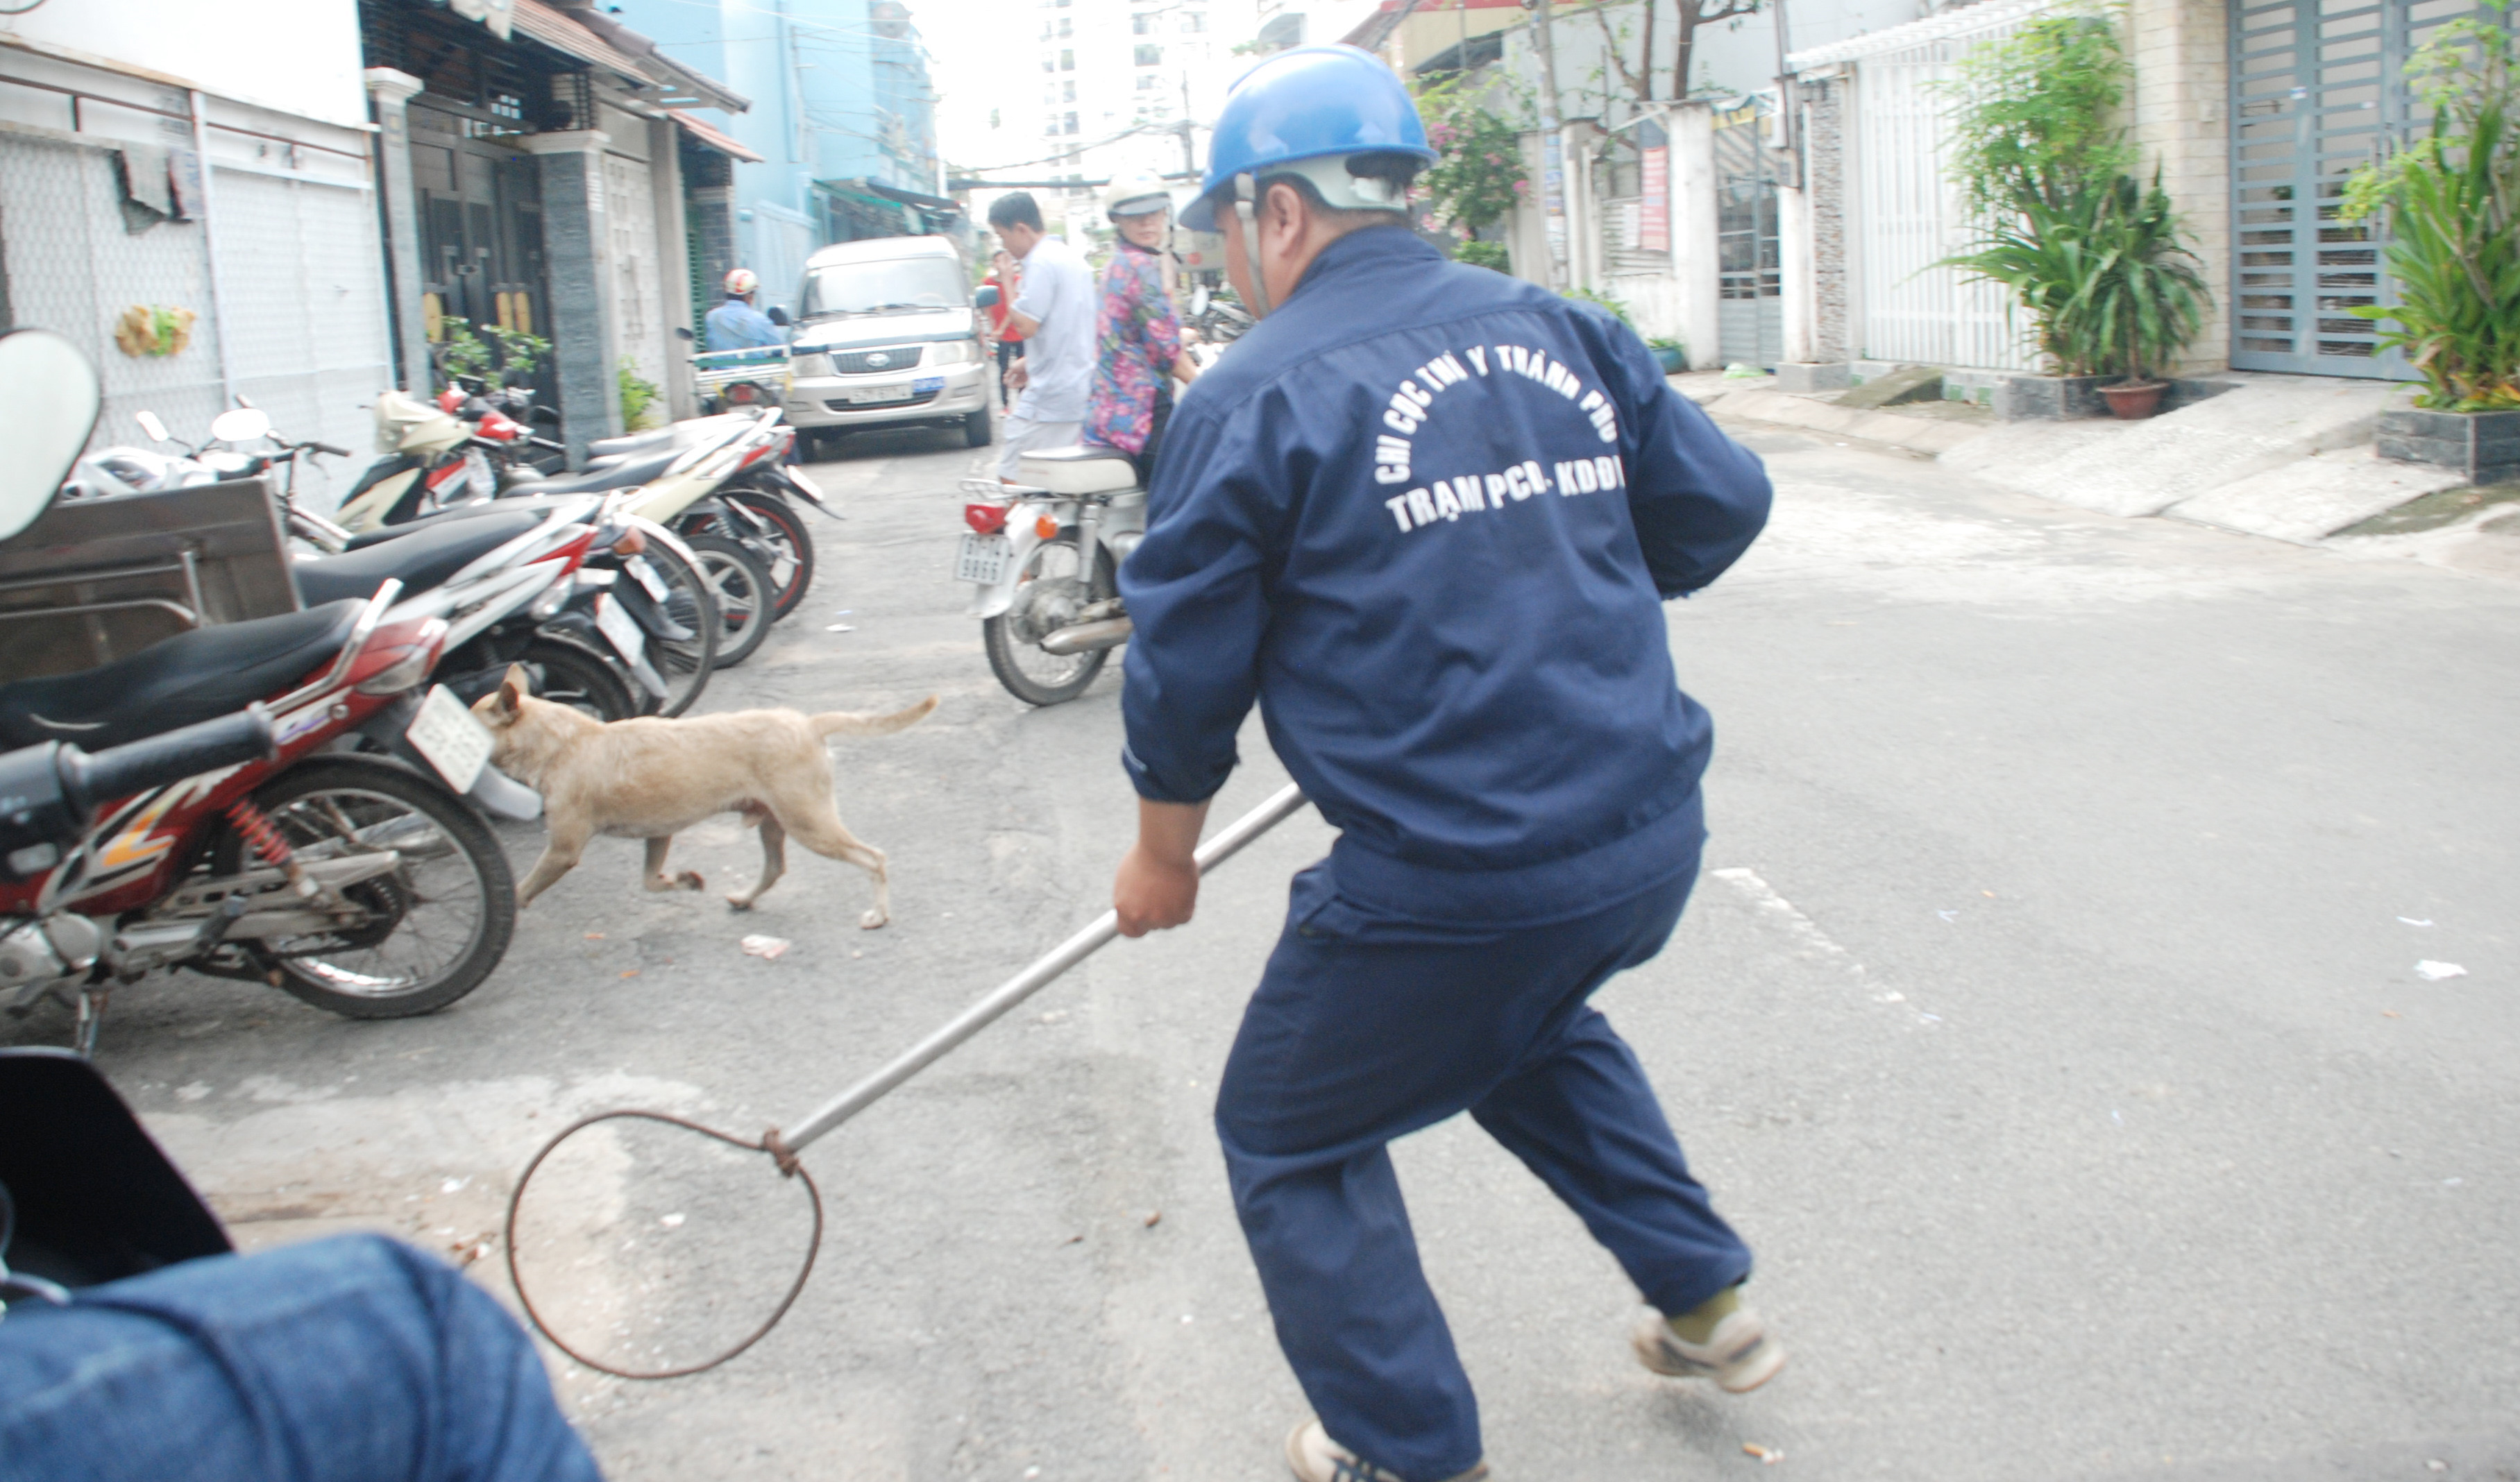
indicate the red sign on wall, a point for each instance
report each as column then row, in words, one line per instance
column 1653, row 215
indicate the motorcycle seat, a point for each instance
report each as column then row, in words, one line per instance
column 474, row 511
column 628, row 473
column 1082, row 470
column 427, row 554
column 196, row 675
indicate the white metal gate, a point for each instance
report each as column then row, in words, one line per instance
column 1909, row 216
column 305, row 304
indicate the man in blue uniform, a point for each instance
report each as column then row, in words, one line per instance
column 1426, row 513
column 736, row 325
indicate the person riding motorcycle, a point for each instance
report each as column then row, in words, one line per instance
column 1137, row 334
column 1427, row 515
column 736, row 325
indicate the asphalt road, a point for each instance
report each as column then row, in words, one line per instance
column 2048, row 1021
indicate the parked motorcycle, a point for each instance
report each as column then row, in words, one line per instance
column 1044, row 559
column 356, row 883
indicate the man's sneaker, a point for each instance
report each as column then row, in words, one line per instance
column 1740, row 1355
column 1313, row 1456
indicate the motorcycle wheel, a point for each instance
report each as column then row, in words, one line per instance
column 740, row 588
column 1013, row 637
column 444, row 914
column 579, row 680
column 685, row 665
column 784, row 548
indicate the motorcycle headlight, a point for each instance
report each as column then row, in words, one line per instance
column 958, row 352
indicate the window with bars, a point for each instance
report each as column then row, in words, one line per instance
column 1151, row 56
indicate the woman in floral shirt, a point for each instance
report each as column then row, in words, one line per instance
column 1139, row 335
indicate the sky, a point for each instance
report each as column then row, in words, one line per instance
column 983, row 55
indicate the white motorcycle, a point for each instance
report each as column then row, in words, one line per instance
column 1045, row 557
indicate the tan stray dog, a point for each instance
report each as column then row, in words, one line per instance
column 651, row 779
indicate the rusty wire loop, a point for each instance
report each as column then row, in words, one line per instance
column 783, row 1149
column 768, row 1144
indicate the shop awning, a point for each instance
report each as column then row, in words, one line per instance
column 709, row 136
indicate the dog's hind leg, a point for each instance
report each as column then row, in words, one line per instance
column 560, row 851
column 829, row 837
column 657, row 878
column 773, row 863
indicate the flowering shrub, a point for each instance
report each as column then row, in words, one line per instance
column 1478, row 175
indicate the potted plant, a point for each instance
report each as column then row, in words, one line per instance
column 2452, row 205
column 2094, row 257
column 1670, row 354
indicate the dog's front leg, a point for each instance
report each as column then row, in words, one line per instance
column 560, row 851
column 657, row 880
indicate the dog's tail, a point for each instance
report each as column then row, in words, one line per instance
column 844, row 723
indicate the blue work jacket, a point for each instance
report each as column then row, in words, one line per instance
column 736, row 325
column 1426, row 513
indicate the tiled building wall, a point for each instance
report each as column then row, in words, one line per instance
column 1824, row 156
column 2180, row 108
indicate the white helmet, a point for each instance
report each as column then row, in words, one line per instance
column 741, row 282
column 1136, row 195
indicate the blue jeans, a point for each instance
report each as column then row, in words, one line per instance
column 349, row 1360
column 1363, row 1030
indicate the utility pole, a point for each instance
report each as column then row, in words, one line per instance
column 1189, row 151
column 1552, row 148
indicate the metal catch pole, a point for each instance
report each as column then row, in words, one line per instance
column 1031, row 980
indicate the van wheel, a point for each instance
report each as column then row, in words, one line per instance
column 977, row 431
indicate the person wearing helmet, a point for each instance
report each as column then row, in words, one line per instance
column 1139, row 350
column 736, row 325
column 1426, row 515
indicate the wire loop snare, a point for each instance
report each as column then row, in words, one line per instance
column 783, row 1149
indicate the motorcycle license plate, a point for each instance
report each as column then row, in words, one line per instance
column 648, row 577
column 983, row 559
column 874, row 396
column 455, row 744
column 620, row 627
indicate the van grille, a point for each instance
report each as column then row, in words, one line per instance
column 867, row 362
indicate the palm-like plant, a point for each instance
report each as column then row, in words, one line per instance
column 2454, row 204
column 2104, row 274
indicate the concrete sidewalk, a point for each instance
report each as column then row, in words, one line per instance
column 2286, row 457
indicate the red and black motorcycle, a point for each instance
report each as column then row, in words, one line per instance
column 357, row 880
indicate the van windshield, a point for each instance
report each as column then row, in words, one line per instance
column 897, row 284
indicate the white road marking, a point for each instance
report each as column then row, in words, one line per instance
column 1815, row 945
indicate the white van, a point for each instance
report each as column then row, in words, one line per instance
column 885, row 336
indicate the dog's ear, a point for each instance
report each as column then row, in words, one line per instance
column 512, row 690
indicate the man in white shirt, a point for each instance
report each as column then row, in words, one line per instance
column 1056, row 312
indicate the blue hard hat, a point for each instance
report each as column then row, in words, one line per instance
column 1305, row 103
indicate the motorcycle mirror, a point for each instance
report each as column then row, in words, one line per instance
column 243, row 425
column 683, row 334
column 777, row 316
column 150, row 424
column 987, row 298
column 57, row 394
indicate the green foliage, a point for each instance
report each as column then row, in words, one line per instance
column 465, row 351
column 2095, row 258
column 1664, row 343
column 2104, row 274
column 2035, row 113
column 1618, row 307
column 2453, row 200
column 1477, row 176
column 1484, row 255
column 638, row 396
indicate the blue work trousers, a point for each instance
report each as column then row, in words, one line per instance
column 1363, row 1030
column 348, row 1360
